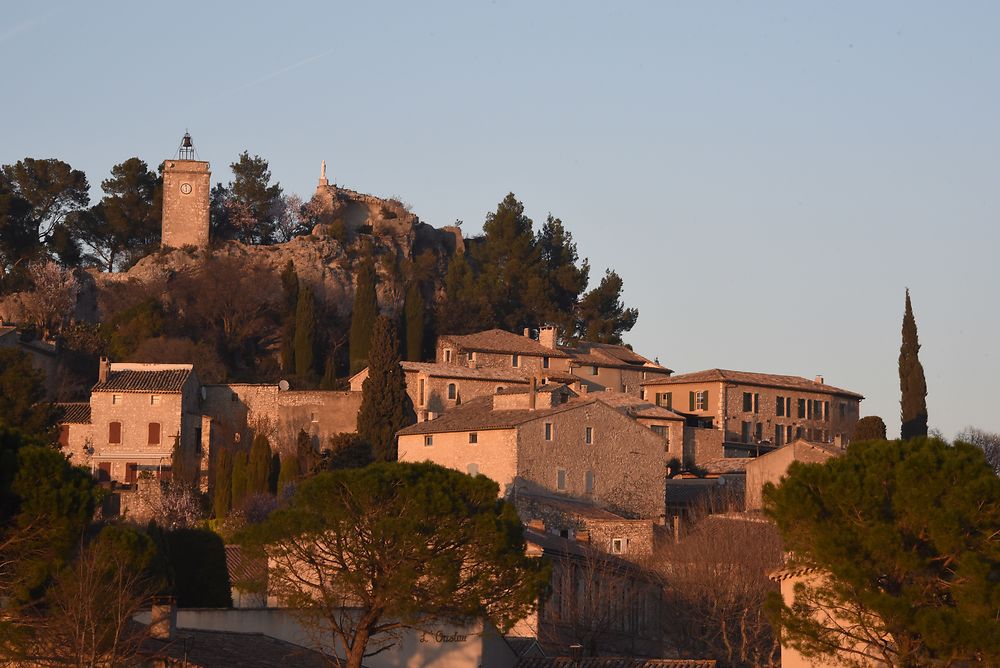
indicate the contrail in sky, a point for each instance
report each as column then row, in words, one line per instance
column 277, row 73
column 24, row 25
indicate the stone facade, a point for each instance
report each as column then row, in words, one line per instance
column 771, row 467
column 186, row 189
column 568, row 518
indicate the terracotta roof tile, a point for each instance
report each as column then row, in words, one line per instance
column 478, row 415
column 470, row 373
column 224, row 649
column 750, row 378
column 636, row 407
column 612, row 355
column 725, row 465
column 610, row 662
column 501, row 341
column 74, row 413
column 168, row 381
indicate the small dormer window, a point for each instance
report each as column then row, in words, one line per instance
column 154, row 400
column 447, row 354
column 619, row 545
column 593, row 370
column 428, row 440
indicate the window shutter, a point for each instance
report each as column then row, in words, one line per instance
column 115, row 432
column 691, row 397
column 154, row 433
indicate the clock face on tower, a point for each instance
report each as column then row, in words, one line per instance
column 186, row 188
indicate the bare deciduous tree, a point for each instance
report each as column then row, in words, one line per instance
column 50, row 305
column 988, row 442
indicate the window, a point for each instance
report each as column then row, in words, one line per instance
column 447, row 354
column 561, row 480
column 545, row 362
column 747, row 402
column 154, row 433
column 428, row 440
column 515, row 361
column 472, row 355
column 593, row 370
column 802, row 408
column 165, row 472
column 131, row 472
column 659, row 429
column 788, row 434
column 589, row 482
column 665, row 399
column 588, row 437
column 452, row 391
column 154, row 400
column 798, row 433
column 843, row 409
column 115, row 432
column 779, row 433
column 421, row 392
column 197, row 439
column 745, row 432
column 619, row 545
column 104, row 472
column 826, row 410
column 758, row 432
column 116, row 399
column 473, row 437
column 642, row 394
column 779, row 407
column 548, row 431
column 472, row 469
column 701, row 400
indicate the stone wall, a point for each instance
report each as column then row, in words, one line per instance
column 186, row 189
column 702, row 445
column 494, row 453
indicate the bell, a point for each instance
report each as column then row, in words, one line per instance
column 187, row 141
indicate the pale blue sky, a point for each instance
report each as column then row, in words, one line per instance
column 766, row 177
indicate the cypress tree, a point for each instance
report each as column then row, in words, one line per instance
column 383, row 409
column 259, row 465
column 289, row 472
column 413, row 322
column 912, row 385
column 363, row 317
column 305, row 332
column 273, row 473
column 239, row 478
column 329, row 381
column 222, row 499
column 303, row 452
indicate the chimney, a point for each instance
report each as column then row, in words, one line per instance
column 547, row 336
column 103, row 368
column 527, row 332
column 533, row 393
column 584, row 388
column 536, row 524
column 819, row 379
column 583, row 536
column 163, row 618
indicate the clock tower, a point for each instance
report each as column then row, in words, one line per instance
column 186, row 188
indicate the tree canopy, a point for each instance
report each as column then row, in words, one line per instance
column 902, row 538
column 385, row 406
column 250, row 208
column 869, row 428
column 360, row 553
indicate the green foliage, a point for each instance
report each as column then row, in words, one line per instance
column 414, row 322
column 905, row 532
column 273, row 472
column 22, row 394
column 240, row 478
column 40, row 206
column 259, row 465
column 289, row 473
column 465, row 307
column 305, row 332
column 290, row 291
column 127, row 330
column 248, row 209
column 346, row 451
column 125, row 225
column 912, row 385
column 869, row 428
column 602, row 316
column 385, row 405
column 222, row 497
column 198, row 574
column 363, row 317
column 564, row 279
column 425, row 543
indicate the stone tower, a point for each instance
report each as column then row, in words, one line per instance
column 186, row 187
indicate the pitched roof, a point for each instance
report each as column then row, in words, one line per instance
column 470, row 373
column 500, row 341
column 610, row 662
column 636, row 407
column 724, row 465
column 478, row 415
column 223, row 649
column 166, row 378
column 573, row 506
column 612, row 355
column 74, row 413
column 750, row 378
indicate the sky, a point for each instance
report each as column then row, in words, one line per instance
column 767, row 178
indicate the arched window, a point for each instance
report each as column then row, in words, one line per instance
column 452, row 391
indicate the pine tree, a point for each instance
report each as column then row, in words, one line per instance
column 465, row 308
column 912, row 385
column 602, row 317
column 222, row 499
column 413, row 321
column 259, row 465
column 305, row 332
column 363, row 317
column 383, row 409
column 289, row 472
column 564, row 280
column 239, row 478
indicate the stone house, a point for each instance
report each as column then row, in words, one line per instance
column 435, row 387
column 135, row 414
column 772, row 466
column 585, row 366
column 587, row 523
column 758, row 411
column 550, row 441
